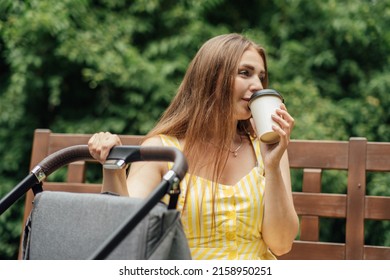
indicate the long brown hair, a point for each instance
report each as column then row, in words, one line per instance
column 202, row 110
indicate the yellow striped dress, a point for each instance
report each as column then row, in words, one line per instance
column 237, row 217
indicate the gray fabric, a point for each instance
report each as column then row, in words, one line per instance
column 72, row 226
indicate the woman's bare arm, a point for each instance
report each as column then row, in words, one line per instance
column 145, row 176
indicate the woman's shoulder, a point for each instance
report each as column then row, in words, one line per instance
column 162, row 140
column 153, row 141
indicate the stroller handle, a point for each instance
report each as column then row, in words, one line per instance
column 60, row 158
column 125, row 154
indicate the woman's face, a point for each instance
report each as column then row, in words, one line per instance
column 248, row 80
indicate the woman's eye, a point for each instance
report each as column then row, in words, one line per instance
column 243, row 72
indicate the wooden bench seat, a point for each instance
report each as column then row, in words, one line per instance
column 356, row 157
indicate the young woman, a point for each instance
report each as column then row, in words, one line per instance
column 236, row 200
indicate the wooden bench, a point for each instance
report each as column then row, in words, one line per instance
column 356, row 156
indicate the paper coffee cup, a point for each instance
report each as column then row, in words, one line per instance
column 263, row 104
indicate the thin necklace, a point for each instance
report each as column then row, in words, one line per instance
column 235, row 152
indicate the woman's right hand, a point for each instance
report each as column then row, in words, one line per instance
column 101, row 143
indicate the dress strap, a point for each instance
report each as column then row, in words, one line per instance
column 170, row 141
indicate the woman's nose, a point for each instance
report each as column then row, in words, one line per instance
column 256, row 85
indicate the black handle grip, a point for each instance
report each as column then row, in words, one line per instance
column 148, row 153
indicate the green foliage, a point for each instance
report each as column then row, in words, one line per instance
column 114, row 65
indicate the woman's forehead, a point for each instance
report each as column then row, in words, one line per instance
column 252, row 59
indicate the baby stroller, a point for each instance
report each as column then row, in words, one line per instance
column 65, row 225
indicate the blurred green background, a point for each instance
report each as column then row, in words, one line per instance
column 82, row 66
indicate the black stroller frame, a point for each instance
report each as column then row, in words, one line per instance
column 118, row 158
